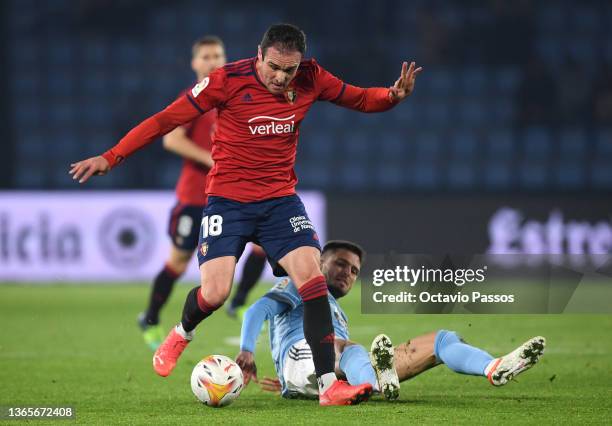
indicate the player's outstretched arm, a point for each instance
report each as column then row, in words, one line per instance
column 179, row 112
column 262, row 310
column 371, row 99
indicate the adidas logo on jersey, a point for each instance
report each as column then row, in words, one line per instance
column 275, row 126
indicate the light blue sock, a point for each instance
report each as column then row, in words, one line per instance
column 459, row 356
column 355, row 363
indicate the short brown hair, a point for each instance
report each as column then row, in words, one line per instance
column 334, row 245
column 207, row 40
column 285, row 37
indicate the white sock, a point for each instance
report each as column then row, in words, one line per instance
column 325, row 381
column 185, row 334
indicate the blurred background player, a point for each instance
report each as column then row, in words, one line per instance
column 192, row 142
column 385, row 367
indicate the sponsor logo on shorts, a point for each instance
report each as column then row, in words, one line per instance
column 204, row 249
column 301, row 223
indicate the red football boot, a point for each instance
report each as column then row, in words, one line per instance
column 341, row 393
column 169, row 352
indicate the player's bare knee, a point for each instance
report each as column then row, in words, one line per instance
column 178, row 260
column 302, row 264
column 216, row 278
column 315, row 273
column 178, row 266
column 215, row 294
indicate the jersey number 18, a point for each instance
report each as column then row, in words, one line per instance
column 212, row 225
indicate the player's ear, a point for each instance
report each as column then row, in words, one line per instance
column 259, row 53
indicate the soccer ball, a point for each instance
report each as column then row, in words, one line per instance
column 216, row 381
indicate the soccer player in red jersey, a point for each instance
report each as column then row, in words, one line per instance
column 192, row 142
column 261, row 102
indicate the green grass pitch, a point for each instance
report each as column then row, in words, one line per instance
column 79, row 346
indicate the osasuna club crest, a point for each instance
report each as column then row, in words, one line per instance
column 291, row 95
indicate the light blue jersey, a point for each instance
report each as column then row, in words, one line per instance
column 283, row 307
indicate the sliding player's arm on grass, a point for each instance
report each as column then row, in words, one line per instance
column 372, row 99
column 262, row 310
column 205, row 96
column 178, row 142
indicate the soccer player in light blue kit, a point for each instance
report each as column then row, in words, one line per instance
column 385, row 366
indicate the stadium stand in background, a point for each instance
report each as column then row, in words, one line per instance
column 516, row 96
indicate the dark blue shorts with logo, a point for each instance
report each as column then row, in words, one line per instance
column 184, row 226
column 279, row 225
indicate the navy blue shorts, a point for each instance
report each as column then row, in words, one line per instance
column 279, row 225
column 184, row 226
